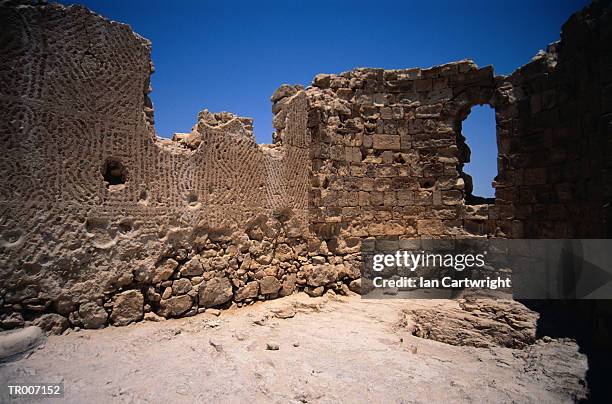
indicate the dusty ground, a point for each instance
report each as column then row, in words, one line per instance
column 332, row 350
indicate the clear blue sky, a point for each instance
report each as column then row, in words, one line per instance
column 231, row 55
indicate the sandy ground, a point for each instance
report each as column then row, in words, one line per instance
column 334, row 349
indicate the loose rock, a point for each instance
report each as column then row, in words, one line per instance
column 52, row 323
column 128, row 307
column 92, row 315
column 215, row 292
column 174, row 306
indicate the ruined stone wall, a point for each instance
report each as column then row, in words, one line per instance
column 102, row 222
column 388, row 152
column 554, row 136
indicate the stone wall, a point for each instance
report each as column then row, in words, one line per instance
column 102, row 222
column 555, row 134
column 388, row 152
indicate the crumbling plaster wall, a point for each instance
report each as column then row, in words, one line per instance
column 195, row 222
column 211, row 217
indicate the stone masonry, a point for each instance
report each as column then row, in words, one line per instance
column 102, row 222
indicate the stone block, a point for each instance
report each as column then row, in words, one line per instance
column 386, row 142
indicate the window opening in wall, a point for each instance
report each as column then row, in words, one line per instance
column 477, row 142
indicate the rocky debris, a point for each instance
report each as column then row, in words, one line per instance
column 250, row 290
column 13, row 320
column 127, row 308
column 480, row 323
column 271, row 346
column 174, row 306
column 215, row 292
column 15, row 342
column 283, row 312
column 181, row 286
column 91, row 315
column 193, row 267
column 150, row 316
column 51, row 323
column 355, row 286
column 165, row 270
column 269, row 285
column 314, row 292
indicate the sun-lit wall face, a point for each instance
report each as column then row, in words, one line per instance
column 389, row 153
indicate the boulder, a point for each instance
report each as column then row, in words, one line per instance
column 92, row 315
column 288, row 286
column 219, row 263
column 284, row 253
column 314, row 292
column 174, row 306
column 285, row 90
column 322, row 81
column 13, row 320
column 52, row 323
column 181, row 286
column 193, row 267
column 153, row 317
column 215, row 292
column 165, row 270
column 320, row 275
column 355, row 286
column 127, row 308
column 250, row 290
column 64, row 305
column 269, row 285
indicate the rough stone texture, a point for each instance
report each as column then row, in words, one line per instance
column 90, row 315
column 174, row 306
column 250, row 290
column 269, row 285
column 93, row 203
column 478, row 323
column 128, row 307
column 215, row 292
column 52, row 323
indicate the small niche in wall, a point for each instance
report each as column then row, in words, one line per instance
column 114, row 173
